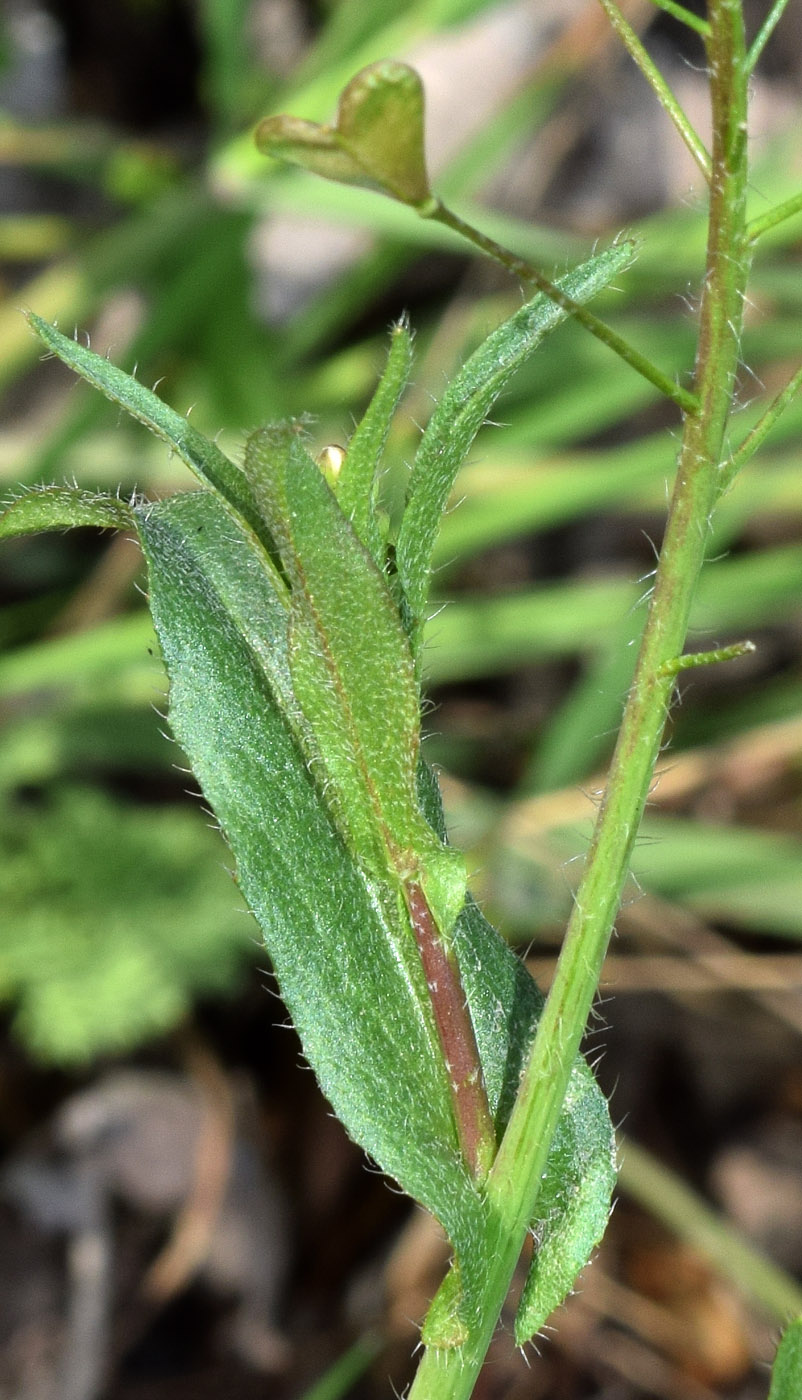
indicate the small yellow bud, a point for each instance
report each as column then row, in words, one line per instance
column 330, row 461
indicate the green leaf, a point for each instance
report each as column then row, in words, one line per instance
column 256, row 598
column 342, row 950
column 209, row 464
column 377, row 141
column 352, row 674
column 357, row 484
column 346, row 963
column 464, row 408
column 574, row 1205
column 59, row 507
column 786, row 1375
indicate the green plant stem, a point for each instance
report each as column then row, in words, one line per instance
column 775, row 216
column 684, row 16
column 441, row 214
column 761, row 430
column 764, row 34
column 514, row 1181
column 657, row 82
column 691, row 659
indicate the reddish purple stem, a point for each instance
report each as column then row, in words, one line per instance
column 455, row 1030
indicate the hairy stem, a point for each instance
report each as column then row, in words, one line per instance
column 515, row 1178
column 761, row 430
column 457, row 1039
column 441, row 214
column 773, row 217
column 654, row 77
column 685, row 16
column 764, row 34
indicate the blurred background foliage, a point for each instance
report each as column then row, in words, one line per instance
column 134, row 206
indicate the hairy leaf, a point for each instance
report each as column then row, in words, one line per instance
column 202, row 457
column 573, row 1205
column 358, row 480
column 352, row 674
column 463, row 409
column 786, row 1375
column 61, row 507
column 343, row 954
column 346, row 963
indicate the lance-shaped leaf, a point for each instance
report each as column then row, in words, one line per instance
column 352, row 674
column 463, row 409
column 357, row 483
column 204, row 458
column 376, row 141
column 573, row 1206
column 62, row 507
